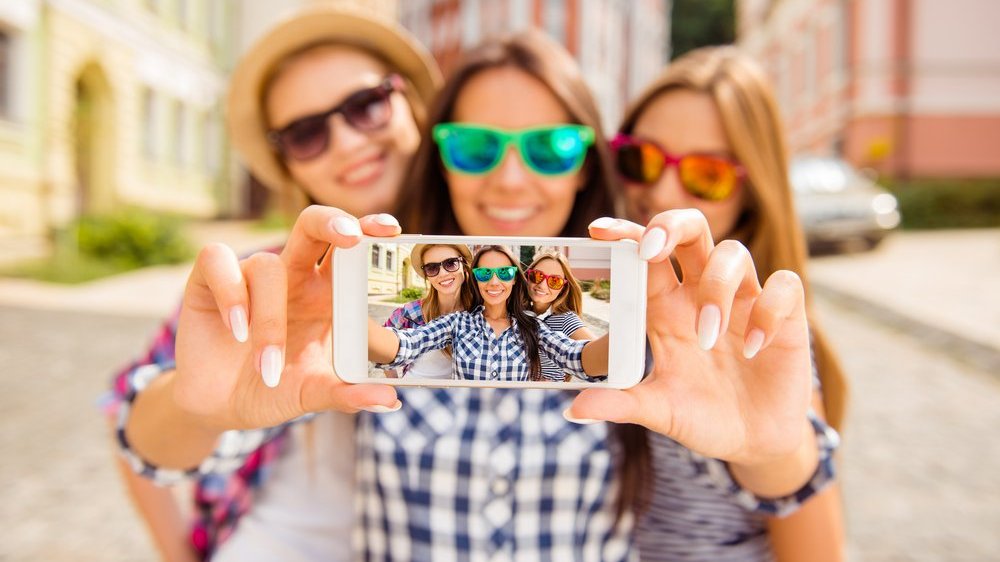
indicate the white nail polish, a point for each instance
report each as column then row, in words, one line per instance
column 385, row 219
column 582, row 421
column 380, row 409
column 755, row 339
column 346, row 226
column 708, row 326
column 603, row 222
column 271, row 365
column 652, row 243
column 238, row 323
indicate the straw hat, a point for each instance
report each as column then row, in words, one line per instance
column 245, row 117
column 417, row 255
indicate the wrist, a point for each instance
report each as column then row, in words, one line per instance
column 781, row 475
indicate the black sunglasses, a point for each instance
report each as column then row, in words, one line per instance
column 451, row 265
column 365, row 110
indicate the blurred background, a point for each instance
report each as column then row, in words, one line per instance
column 115, row 167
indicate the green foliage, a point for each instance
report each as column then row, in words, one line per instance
column 132, row 239
column 601, row 289
column 698, row 23
column 956, row 203
column 412, row 293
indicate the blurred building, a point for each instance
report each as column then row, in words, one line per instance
column 389, row 270
column 910, row 87
column 620, row 44
column 106, row 104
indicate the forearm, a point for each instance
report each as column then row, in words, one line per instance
column 595, row 357
column 162, row 515
column 383, row 345
column 781, row 476
column 815, row 532
column 162, row 433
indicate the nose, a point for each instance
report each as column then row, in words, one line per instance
column 511, row 174
column 344, row 139
column 667, row 193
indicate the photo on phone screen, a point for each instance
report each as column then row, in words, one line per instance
column 566, row 287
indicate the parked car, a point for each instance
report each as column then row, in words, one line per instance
column 839, row 206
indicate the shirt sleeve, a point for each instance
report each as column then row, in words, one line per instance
column 572, row 323
column 233, row 448
column 564, row 351
column 414, row 342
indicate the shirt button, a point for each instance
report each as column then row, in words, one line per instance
column 500, row 486
column 494, row 375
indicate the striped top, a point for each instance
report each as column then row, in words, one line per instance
column 567, row 323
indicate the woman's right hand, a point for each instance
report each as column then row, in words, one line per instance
column 254, row 336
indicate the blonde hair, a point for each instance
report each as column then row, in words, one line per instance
column 570, row 298
column 768, row 226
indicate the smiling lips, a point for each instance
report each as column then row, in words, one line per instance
column 447, row 282
column 508, row 218
column 365, row 172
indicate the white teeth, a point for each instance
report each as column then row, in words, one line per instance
column 363, row 171
column 448, row 283
column 510, row 214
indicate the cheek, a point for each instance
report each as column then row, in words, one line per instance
column 314, row 176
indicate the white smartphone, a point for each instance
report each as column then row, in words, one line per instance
column 380, row 275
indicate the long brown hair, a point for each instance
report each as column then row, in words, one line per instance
column 570, row 298
column 768, row 225
column 430, row 305
column 517, row 308
column 427, row 207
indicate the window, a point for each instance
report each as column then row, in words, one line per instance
column 374, row 255
column 149, row 123
column 389, row 264
column 6, row 69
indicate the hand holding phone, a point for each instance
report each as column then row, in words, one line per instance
column 540, row 312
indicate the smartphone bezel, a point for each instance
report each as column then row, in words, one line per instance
column 627, row 322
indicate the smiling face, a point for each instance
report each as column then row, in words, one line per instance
column 682, row 122
column 511, row 200
column 540, row 293
column 359, row 172
column 495, row 291
column 445, row 282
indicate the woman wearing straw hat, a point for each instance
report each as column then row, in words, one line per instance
column 324, row 108
column 446, row 268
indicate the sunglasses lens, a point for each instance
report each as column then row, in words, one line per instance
column 368, row 110
column 707, row 177
column 483, row 274
column 556, row 282
column 554, row 151
column 432, row 269
column 506, row 273
column 534, row 275
column 639, row 162
column 470, row 150
column 451, row 264
column 305, row 138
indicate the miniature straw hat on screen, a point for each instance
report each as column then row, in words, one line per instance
column 318, row 24
column 417, row 255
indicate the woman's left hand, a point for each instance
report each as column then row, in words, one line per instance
column 731, row 372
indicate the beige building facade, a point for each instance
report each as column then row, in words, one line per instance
column 108, row 105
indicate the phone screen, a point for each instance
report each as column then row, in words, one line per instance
column 566, row 288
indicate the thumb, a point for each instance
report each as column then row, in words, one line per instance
column 604, row 404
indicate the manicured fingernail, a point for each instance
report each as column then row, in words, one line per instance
column 755, row 339
column 603, row 222
column 708, row 326
column 582, row 421
column 652, row 243
column 380, row 409
column 385, row 219
column 271, row 364
column 346, row 226
column 238, row 323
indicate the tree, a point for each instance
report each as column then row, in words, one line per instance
column 698, row 23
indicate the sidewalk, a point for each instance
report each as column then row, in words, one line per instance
column 938, row 286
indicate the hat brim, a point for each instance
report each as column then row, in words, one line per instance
column 244, row 116
column 417, row 255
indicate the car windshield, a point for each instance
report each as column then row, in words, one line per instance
column 820, row 175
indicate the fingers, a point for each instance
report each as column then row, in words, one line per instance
column 349, row 398
column 683, row 232
column 217, row 282
column 661, row 276
column 633, row 405
column 781, row 301
column 729, row 272
column 268, row 287
column 316, row 229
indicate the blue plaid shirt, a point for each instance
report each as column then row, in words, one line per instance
column 479, row 353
